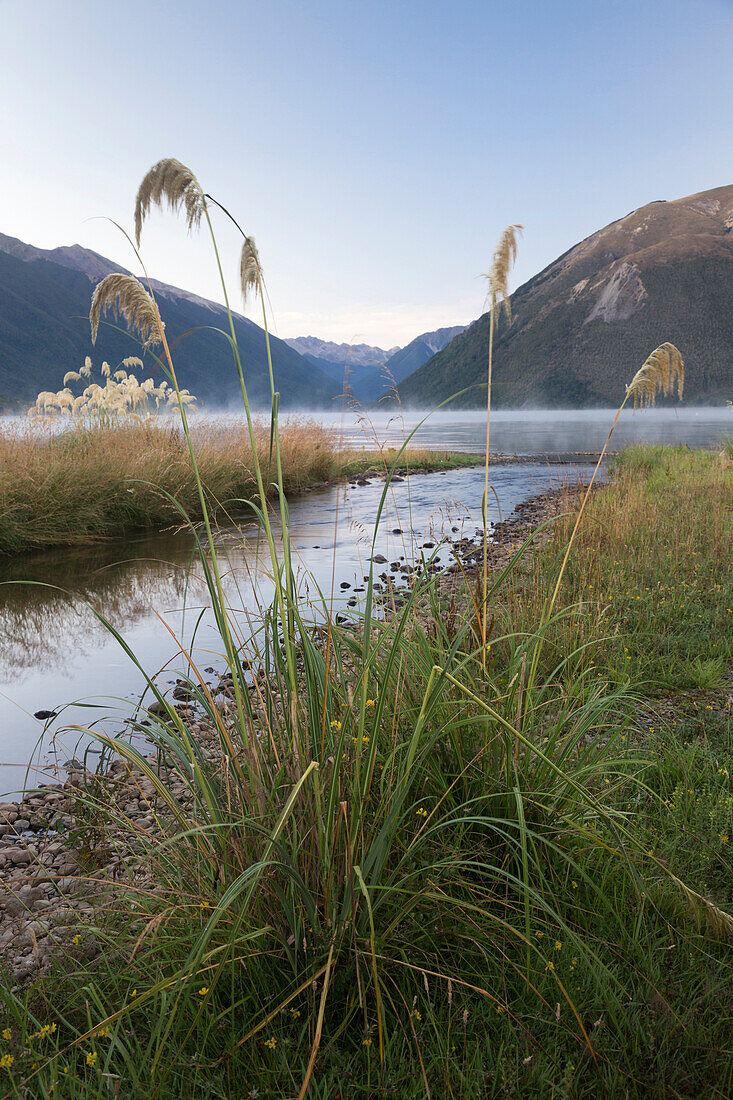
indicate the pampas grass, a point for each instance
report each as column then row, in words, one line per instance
column 125, row 297
column 122, row 396
column 250, row 271
column 174, row 182
column 504, row 256
column 661, row 371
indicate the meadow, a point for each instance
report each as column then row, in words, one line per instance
column 473, row 845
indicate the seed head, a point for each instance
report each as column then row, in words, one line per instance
column 126, row 298
column 661, row 370
column 504, row 257
column 173, row 181
column 250, row 271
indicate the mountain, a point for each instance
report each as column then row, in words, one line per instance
column 356, row 355
column 403, row 362
column 342, row 361
column 44, row 332
column 372, row 371
column 583, row 326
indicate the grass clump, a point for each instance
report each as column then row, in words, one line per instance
column 412, row 859
column 101, row 480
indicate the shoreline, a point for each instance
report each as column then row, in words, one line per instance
column 359, row 467
column 46, row 895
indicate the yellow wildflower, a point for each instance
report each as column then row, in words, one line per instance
column 336, row 725
column 7, row 1033
column 203, row 991
column 92, row 1058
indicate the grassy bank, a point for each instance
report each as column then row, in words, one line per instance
column 500, row 881
column 87, row 484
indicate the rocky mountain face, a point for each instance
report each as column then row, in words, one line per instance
column 582, row 327
column 356, row 355
column 44, row 332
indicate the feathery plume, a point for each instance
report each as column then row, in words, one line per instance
column 250, row 271
column 171, row 180
column 132, row 361
column 86, row 370
column 71, row 376
column 126, row 298
column 661, row 370
column 504, row 257
column 105, row 372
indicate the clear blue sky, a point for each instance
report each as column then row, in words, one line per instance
column 374, row 148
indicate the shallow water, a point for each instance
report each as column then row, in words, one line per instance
column 56, row 655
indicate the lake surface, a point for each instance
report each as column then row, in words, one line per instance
column 56, row 655
column 534, row 431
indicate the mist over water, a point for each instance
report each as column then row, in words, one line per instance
column 536, row 432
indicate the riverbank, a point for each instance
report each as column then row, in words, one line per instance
column 88, row 485
column 520, row 912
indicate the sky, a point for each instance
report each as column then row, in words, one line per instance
column 375, row 149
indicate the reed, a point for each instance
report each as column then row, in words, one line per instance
column 498, row 280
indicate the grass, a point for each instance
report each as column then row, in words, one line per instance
column 413, row 864
column 650, row 572
column 87, row 484
column 516, row 911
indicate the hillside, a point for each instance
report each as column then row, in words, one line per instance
column 404, row 361
column 44, row 332
column 582, row 327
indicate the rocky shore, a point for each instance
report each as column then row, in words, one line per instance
column 61, row 856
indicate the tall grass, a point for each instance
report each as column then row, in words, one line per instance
column 400, row 847
column 97, row 481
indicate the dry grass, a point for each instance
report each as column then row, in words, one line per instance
column 86, row 484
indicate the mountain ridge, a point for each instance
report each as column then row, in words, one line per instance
column 584, row 324
column 44, row 331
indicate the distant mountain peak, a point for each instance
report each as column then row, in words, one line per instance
column 360, row 355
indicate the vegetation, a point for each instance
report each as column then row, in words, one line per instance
column 120, row 396
column 418, row 865
column 97, row 481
